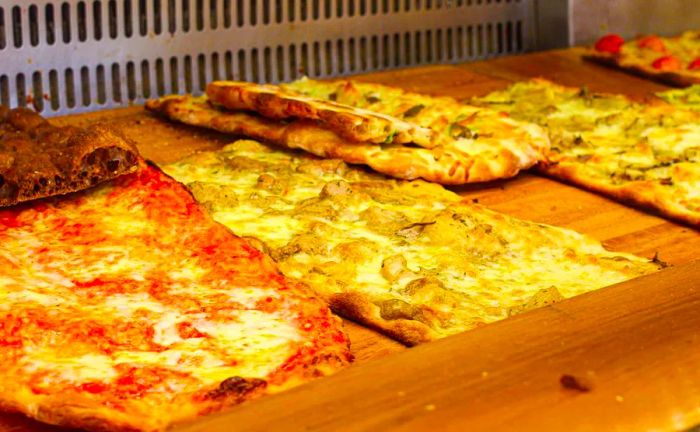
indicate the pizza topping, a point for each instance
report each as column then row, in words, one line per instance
column 653, row 43
column 413, row 111
column 130, row 297
column 411, row 251
column 458, row 131
column 694, row 64
column 610, row 43
column 667, row 63
column 614, row 145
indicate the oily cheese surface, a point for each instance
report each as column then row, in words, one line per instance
column 646, row 154
column 408, row 258
column 688, row 98
column 127, row 307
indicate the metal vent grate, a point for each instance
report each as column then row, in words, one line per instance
column 66, row 57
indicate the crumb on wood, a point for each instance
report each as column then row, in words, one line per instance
column 571, row 382
column 656, row 260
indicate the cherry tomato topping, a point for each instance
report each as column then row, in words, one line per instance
column 653, row 43
column 695, row 64
column 667, row 63
column 609, row 43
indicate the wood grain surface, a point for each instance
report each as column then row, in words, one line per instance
column 623, row 358
column 503, row 372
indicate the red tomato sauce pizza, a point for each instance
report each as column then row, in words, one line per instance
column 126, row 307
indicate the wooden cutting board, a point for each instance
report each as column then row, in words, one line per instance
column 503, row 372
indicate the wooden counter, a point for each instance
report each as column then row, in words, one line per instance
column 631, row 350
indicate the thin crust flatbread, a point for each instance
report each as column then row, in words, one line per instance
column 644, row 154
column 352, row 124
column 463, row 161
column 410, row 259
column 638, row 58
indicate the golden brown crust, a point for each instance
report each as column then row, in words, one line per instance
column 352, row 124
column 463, row 162
column 679, row 78
column 647, row 195
column 358, row 307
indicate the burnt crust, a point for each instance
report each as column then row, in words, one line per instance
column 38, row 159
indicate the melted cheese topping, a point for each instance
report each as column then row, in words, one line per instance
column 131, row 292
column 467, row 129
column 413, row 248
column 687, row 98
column 614, row 141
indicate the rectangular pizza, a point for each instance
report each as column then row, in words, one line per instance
column 435, row 139
column 671, row 60
column 127, row 308
column 408, row 258
column 646, row 154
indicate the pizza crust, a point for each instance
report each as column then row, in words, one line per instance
column 678, row 78
column 358, row 307
column 461, row 163
column 646, row 195
column 350, row 123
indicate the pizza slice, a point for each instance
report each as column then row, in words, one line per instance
column 672, row 60
column 644, row 154
column 408, row 258
column 475, row 154
column 350, row 123
column 126, row 307
column 38, row 159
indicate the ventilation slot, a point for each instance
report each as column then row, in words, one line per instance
column 71, row 56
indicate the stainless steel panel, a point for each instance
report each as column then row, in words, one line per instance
column 591, row 19
column 66, row 57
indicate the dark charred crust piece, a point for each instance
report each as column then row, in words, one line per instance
column 571, row 382
column 236, row 388
column 38, row 159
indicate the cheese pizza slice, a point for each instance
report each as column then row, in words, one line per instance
column 128, row 308
column 647, row 154
column 502, row 152
column 409, row 258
